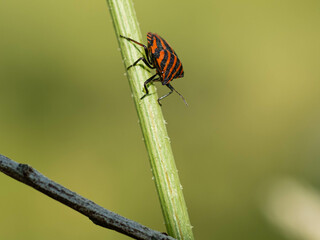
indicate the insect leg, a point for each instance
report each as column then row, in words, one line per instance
column 160, row 98
column 148, row 57
column 172, row 89
column 144, row 60
column 146, row 83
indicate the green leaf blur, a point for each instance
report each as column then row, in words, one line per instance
column 252, row 80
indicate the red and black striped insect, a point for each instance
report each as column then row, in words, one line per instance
column 160, row 56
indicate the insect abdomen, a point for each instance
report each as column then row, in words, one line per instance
column 168, row 64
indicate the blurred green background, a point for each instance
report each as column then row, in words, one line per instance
column 252, row 82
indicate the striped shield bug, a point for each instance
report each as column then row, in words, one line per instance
column 160, row 56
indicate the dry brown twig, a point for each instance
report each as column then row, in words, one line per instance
column 97, row 214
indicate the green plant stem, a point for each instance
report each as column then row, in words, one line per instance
column 152, row 124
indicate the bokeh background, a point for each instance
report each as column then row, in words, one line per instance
column 252, row 82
